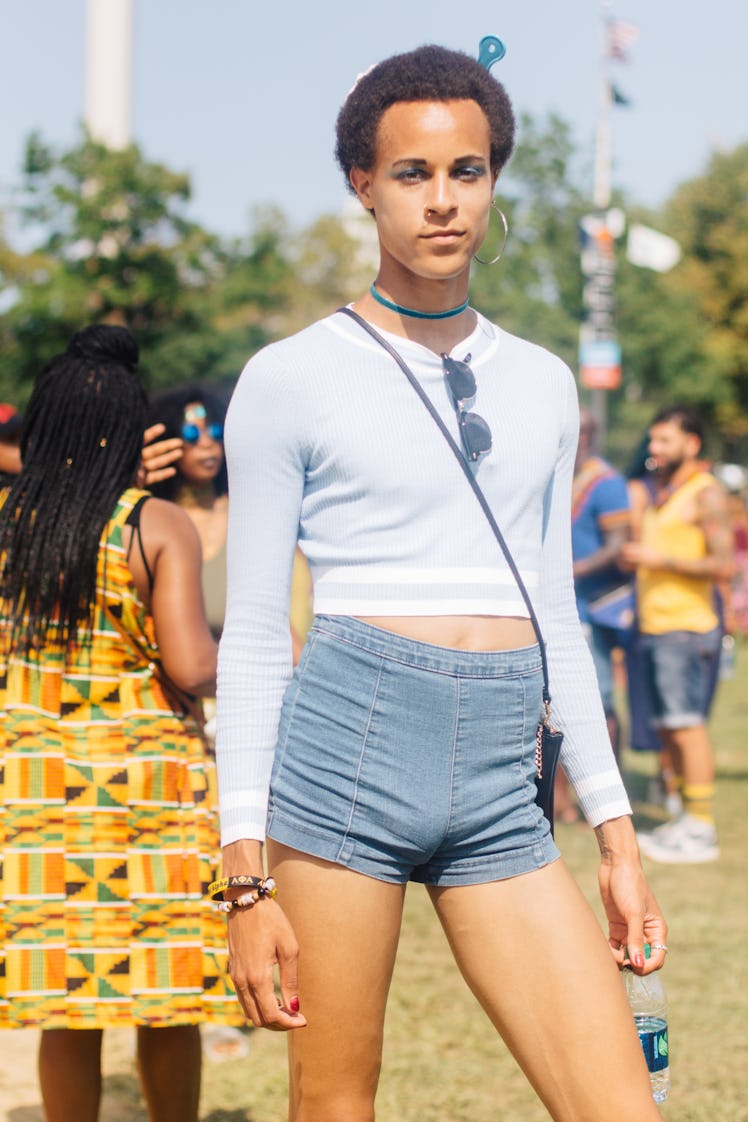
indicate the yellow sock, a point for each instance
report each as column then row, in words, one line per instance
column 698, row 800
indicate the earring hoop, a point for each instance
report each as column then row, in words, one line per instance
column 500, row 254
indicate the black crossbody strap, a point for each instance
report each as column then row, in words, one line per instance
column 471, row 480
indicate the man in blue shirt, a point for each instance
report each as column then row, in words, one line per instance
column 600, row 526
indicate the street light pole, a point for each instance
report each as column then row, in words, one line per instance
column 601, row 189
column 108, row 111
column 600, row 369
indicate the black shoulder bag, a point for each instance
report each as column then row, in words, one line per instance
column 548, row 741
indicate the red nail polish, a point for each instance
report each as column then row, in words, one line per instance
column 638, row 960
column 293, row 1005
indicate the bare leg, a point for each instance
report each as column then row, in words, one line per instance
column 691, row 751
column 169, row 1065
column 614, row 732
column 348, row 927
column 70, row 1074
column 533, row 953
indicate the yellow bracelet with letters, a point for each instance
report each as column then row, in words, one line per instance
column 243, row 880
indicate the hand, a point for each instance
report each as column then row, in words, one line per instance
column 634, row 916
column 634, row 554
column 158, row 459
column 261, row 938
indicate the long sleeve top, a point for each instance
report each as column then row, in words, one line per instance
column 327, row 442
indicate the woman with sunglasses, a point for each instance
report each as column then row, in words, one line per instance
column 197, row 481
column 402, row 748
column 187, row 427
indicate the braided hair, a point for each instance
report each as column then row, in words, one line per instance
column 80, row 448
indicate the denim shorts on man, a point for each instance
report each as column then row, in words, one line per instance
column 679, row 673
column 409, row 761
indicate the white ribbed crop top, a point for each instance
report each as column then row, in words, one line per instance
column 326, row 441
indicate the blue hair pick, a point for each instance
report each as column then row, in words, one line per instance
column 490, row 50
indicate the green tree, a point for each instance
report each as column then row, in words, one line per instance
column 113, row 244
column 709, row 216
column 536, row 288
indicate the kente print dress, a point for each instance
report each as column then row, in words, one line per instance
column 109, row 833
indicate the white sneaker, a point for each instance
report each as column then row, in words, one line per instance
column 686, row 840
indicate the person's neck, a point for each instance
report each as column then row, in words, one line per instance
column 420, row 295
column 196, row 495
column 584, row 454
column 670, row 481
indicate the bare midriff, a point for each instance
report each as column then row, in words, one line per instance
column 463, row 633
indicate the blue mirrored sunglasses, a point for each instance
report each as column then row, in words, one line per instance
column 474, row 431
column 191, row 433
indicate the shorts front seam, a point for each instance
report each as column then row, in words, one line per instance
column 364, row 742
column 455, row 736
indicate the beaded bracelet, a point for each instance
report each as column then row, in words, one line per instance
column 218, row 887
column 266, row 888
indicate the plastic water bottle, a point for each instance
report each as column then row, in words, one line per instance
column 649, row 1006
column 727, row 657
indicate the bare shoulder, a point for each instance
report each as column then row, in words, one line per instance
column 163, row 522
column 638, row 492
column 712, row 500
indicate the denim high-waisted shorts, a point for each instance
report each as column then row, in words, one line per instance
column 408, row 761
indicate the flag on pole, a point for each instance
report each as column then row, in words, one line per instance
column 617, row 97
column 651, row 249
column 621, row 36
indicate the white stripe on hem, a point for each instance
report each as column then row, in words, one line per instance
column 381, row 575
column 337, row 606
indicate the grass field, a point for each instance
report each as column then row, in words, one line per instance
column 443, row 1062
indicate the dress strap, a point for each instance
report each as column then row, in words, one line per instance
column 133, row 519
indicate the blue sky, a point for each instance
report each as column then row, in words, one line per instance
column 243, row 94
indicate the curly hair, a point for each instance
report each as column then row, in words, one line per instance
column 167, row 408
column 429, row 73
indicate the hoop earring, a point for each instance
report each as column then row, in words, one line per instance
column 500, row 254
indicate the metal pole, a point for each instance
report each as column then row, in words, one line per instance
column 601, row 191
column 108, row 110
column 601, row 187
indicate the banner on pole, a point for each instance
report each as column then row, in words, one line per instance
column 600, row 364
column 599, row 352
column 652, row 250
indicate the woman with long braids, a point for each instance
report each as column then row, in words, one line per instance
column 402, row 748
column 109, row 822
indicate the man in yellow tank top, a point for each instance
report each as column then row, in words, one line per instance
column 685, row 548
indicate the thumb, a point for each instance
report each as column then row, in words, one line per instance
column 288, row 976
column 635, row 943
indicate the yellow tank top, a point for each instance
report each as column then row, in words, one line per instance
column 670, row 601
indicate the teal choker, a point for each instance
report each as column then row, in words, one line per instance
column 411, row 311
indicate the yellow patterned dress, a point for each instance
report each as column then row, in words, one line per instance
column 108, row 833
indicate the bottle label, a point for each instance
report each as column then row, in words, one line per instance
column 655, row 1045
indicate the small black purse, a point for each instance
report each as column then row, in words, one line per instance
column 549, row 739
